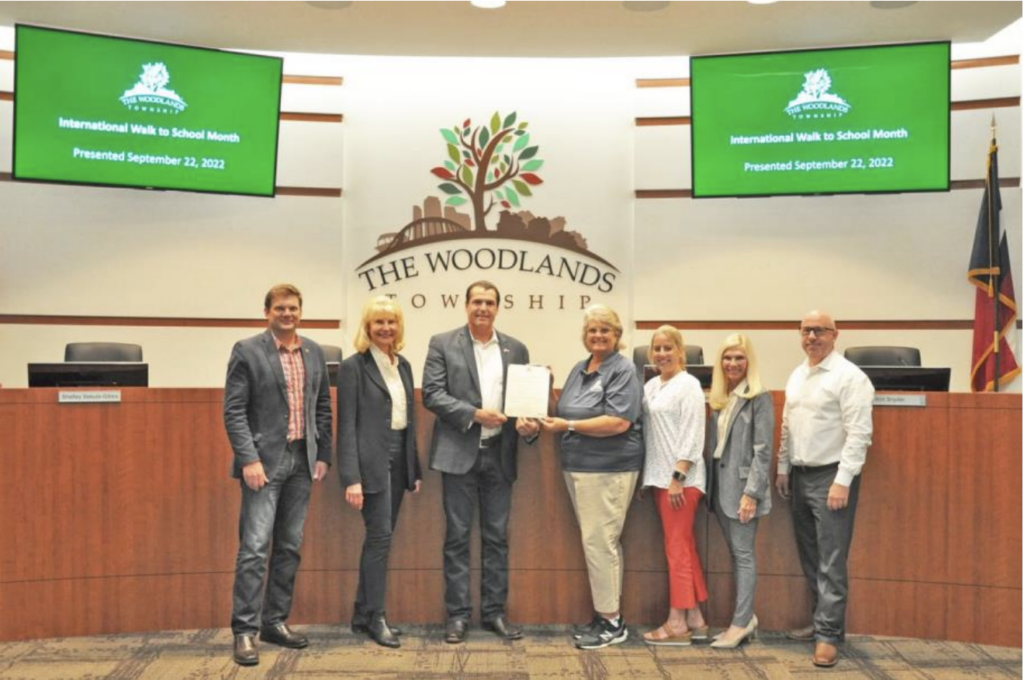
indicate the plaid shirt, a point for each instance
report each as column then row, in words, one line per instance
column 295, row 378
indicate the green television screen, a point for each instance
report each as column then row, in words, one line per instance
column 830, row 121
column 92, row 109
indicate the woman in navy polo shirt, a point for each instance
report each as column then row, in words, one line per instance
column 602, row 453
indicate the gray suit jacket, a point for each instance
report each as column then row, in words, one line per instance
column 744, row 466
column 364, row 423
column 451, row 391
column 256, row 404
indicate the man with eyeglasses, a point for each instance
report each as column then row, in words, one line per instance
column 826, row 431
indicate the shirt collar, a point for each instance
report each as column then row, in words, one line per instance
column 289, row 348
column 380, row 356
column 487, row 343
column 605, row 365
column 741, row 389
column 826, row 364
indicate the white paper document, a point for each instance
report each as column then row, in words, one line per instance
column 526, row 391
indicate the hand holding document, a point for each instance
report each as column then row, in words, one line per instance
column 526, row 391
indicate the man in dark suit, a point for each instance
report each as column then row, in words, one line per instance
column 277, row 412
column 474, row 447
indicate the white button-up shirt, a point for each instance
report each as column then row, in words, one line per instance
column 396, row 388
column 827, row 418
column 492, row 377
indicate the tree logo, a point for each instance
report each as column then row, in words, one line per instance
column 489, row 166
column 151, row 93
column 815, row 101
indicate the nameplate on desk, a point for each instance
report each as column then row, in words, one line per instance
column 89, row 397
column 901, row 400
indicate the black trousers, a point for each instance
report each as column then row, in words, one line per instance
column 380, row 515
column 823, row 539
column 276, row 512
column 484, row 485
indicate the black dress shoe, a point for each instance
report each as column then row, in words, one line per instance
column 246, row 653
column 456, row 631
column 381, row 633
column 363, row 628
column 281, row 634
column 503, row 628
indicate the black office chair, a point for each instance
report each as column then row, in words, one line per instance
column 332, row 353
column 102, row 351
column 694, row 357
column 884, row 356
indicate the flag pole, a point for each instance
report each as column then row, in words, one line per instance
column 994, row 251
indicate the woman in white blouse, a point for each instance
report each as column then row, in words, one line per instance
column 739, row 488
column 377, row 455
column 674, row 469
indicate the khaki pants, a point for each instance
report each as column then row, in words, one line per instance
column 601, row 501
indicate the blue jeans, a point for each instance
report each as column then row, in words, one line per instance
column 276, row 512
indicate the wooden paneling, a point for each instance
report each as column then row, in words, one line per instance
column 122, row 517
column 984, row 526
column 855, row 324
column 334, row 81
column 153, row 321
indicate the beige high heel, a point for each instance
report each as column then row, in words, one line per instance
column 749, row 633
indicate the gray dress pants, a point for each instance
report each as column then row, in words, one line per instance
column 741, row 539
column 823, row 539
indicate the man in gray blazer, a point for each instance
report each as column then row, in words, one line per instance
column 474, row 447
column 277, row 412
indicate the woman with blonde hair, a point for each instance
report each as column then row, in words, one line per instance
column 740, row 439
column 377, row 455
column 602, row 452
column 674, row 469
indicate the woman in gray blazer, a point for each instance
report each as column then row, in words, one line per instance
column 377, row 455
column 739, row 492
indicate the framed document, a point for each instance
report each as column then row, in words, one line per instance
column 526, row 391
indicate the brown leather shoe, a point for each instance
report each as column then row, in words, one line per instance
column 245, row 653
column 805, row 634
column 826, row 655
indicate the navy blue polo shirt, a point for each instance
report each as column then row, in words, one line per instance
column 612, row 390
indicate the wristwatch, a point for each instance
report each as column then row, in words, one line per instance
column 679, row 476
column 572, row 426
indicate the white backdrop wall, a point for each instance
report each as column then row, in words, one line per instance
column 111, row 252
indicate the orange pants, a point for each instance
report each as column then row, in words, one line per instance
column 686, row 585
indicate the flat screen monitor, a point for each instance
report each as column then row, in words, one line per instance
column 908, row 378
column 89, row 374
column 701, row 372
column 102, row 110
column 824, row 121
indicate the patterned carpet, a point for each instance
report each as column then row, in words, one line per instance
column 546, row 652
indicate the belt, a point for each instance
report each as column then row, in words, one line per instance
column 490, row 442
column 814, row 468
column 297, row 445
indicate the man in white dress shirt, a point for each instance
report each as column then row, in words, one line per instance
column 826, row 431
column 474, row 447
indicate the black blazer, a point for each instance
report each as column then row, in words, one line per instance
column 364, row 422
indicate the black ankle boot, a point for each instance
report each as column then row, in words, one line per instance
column 380, row 633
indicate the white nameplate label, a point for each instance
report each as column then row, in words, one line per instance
column 901, row 400
column 90, row 397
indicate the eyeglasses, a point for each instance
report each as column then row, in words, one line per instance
column 817, row 330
